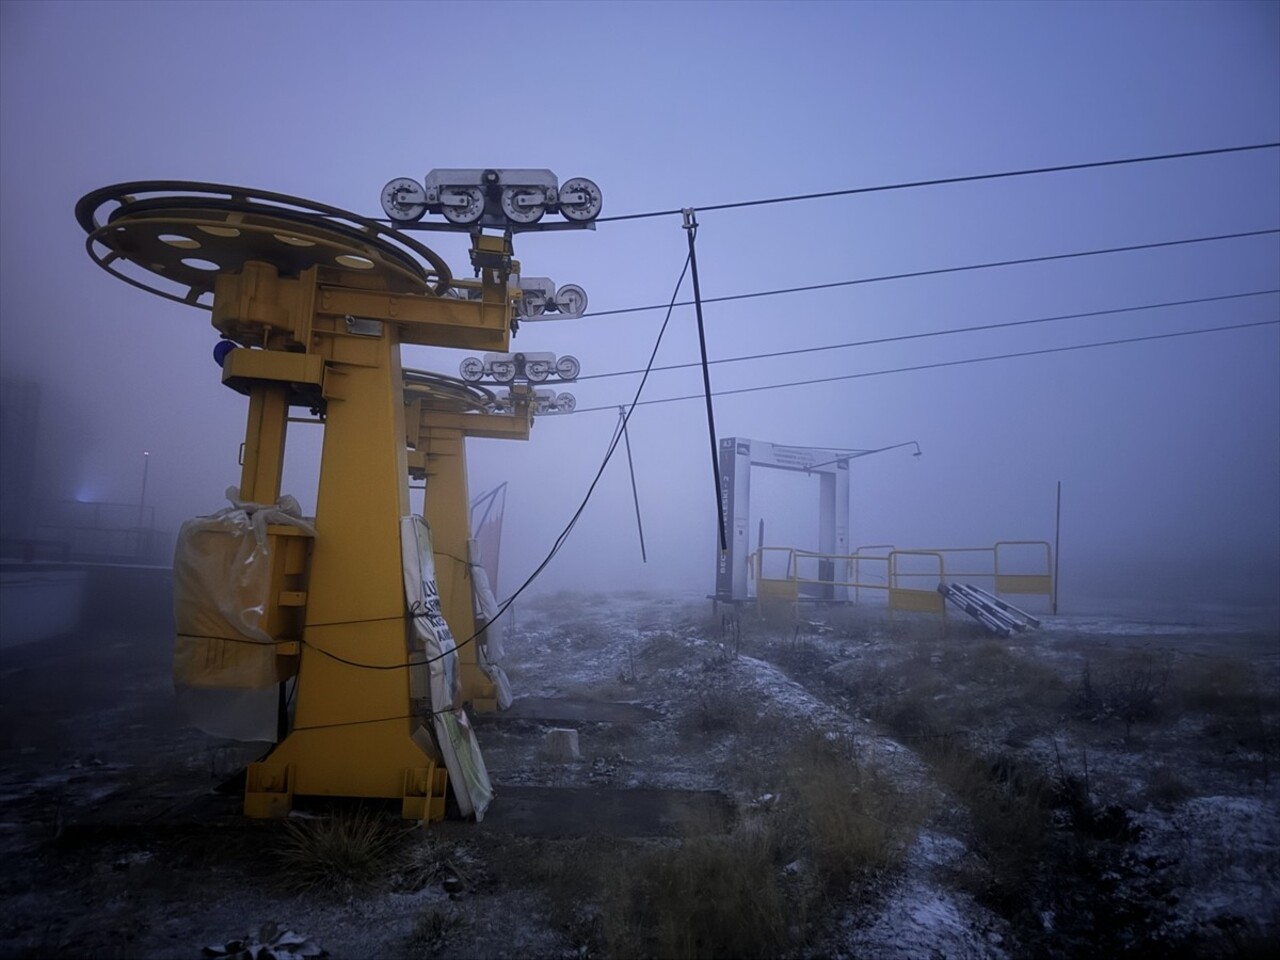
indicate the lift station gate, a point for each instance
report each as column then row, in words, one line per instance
column 737, row 456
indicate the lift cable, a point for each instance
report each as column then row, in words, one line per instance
column 559, row 542
column 943, row 270
column 631, row 467
column 618, row 433
column 972, row 178
column 954, row 363
column 942, row 181
column 935, row 333
column 613, row 445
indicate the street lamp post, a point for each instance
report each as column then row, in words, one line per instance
column 866, row 453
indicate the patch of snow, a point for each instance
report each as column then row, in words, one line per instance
column 1225, row 854
column 920, row 920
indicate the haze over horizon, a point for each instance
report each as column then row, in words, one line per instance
column 1168, row 450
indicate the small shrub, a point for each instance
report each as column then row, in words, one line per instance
column 1131, row 691
column 345, row 854
column 268, row 941
column 800, row 652
column 432, row 930
column 718, row 709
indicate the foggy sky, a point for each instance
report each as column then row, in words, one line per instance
column 1168, row 451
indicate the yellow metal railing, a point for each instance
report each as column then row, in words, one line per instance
column 859, row 559
column 900, row 580
column 915, row 599
column 1038, row 583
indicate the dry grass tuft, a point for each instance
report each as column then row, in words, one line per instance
column 344, row 854
column 854, row 823
column 837, row 828
column 711, row 897
column 432, row 931
column 664, row 651
column 1009, row 809
column 1219, row 685
column 719, row 709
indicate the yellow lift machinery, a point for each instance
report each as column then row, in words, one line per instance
column 313, row 304
column 440, row 414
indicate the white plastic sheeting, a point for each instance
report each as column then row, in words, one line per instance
column 491, row 652
column 431, row 641
column 225, row 669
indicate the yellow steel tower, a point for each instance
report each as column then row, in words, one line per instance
column 319, row 301
column 440, row 414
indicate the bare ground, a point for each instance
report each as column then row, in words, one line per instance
column 884, row 789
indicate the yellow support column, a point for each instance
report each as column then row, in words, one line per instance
column 438, row 431
column 320, row 301
column 352, row 733
column 446, row 508
column 263, row 463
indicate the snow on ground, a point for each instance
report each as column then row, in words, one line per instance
column 1215, row 850
column 1224, row 858
column 921, row 917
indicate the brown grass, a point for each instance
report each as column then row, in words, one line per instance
column 1218, row 685
column 719, row 709
column 432, row 931
column 1009, row 812
column 710, row 897
column 345, row 854
column 853, row 822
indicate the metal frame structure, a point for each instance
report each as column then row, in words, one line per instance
column 315, row 303
column 899, row 579
column 737, row 456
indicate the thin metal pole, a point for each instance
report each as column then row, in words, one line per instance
column 635, row 494
column 691, row 228
column 1057, row 539
column 142, row 500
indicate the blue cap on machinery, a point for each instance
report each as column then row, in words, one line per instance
column 221, row 349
